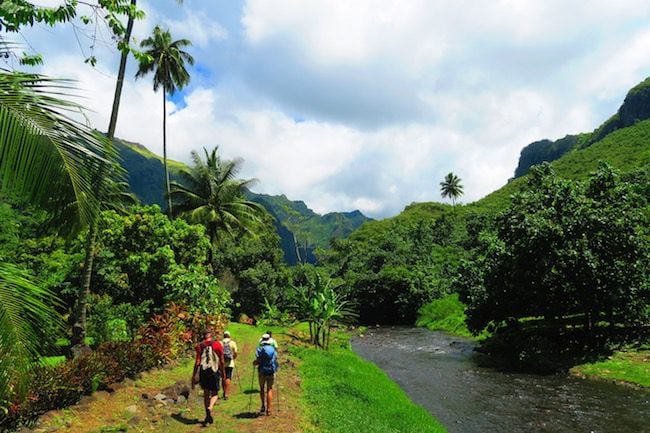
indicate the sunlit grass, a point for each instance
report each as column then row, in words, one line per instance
column 344, row 393
column 631, row 367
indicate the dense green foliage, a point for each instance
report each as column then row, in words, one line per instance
column 563, row 249
column 345, row 394
column 444, row 314
column 252, row 269
column 391, row 268
column 144, row 256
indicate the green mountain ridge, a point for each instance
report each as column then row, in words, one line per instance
column 301, row 230
column 635, row 108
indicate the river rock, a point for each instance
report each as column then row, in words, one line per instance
column 160, row 397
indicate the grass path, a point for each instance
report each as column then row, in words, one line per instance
column 126, row 410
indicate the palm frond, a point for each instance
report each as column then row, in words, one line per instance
column 45, row 155
column 23, row 307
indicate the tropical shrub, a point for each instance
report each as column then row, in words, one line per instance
column 110, row 322
column 200, row 292
column 136, row 252
column 565, row 251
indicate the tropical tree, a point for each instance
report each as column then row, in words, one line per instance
column 321, row 304
column 117, row 195
column 166, row 59
column 451, row 187
column 212, row 195
column 50, row 160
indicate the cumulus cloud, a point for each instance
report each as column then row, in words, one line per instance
column 369, row 104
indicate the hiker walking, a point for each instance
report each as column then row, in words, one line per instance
column 266, row 360
column 271, row 341
column 229, row 356
column 208, row 371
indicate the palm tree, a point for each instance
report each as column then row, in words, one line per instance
column 50, row 160
column 451, row 187
column 166, row 59
column 79, row 312
column 212, row 195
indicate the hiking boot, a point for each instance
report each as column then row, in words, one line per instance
column 262, row 410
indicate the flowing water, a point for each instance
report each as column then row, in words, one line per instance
column 441, row 373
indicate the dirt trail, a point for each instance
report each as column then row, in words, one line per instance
column 133, row 406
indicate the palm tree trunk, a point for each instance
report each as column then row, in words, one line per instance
column 120, row 78
column 167, row 187
column 79, row 326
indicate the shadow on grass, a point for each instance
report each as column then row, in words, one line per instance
column 187, row 421
column 246, row 415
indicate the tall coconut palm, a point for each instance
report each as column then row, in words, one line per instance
column 212, row 195
column 166, row 59
column 451, row 187
column 50, row 160
column 79, row 312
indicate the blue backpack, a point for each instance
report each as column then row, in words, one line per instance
column 267, row 360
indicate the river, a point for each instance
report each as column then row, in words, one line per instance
column 440, row 372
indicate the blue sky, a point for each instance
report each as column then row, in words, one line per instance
column 369, row 104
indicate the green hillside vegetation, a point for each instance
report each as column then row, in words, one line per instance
column 309, row 229
column 295, row 222
column 626, row 149
column 635, row 108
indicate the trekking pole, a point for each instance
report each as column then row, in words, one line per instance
column 250, row 398
column 277, row 382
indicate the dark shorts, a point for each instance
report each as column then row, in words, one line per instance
column 209, row 381
column 266, row 381
column 229, row 372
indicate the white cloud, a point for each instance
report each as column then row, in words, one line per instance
column 197, row 27
column 368, row 104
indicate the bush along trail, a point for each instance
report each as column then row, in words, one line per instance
column 316, row 391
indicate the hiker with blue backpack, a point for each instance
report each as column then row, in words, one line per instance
column 229, row 356
column 208, row 371
column 267, row 364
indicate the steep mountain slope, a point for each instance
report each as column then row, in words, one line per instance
column 635, row 108
column 301, row 230
column 310, row 229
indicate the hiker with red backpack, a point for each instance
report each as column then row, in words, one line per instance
column 267, row 362
column 229, row 356
column 208, row 371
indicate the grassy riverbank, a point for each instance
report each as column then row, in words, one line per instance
column 630, row 367
column 343, row 393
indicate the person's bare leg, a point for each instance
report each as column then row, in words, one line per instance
column 226, row 387
column 262, row 387
column 206, row 403
column 269, row 400
column 213, row 399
